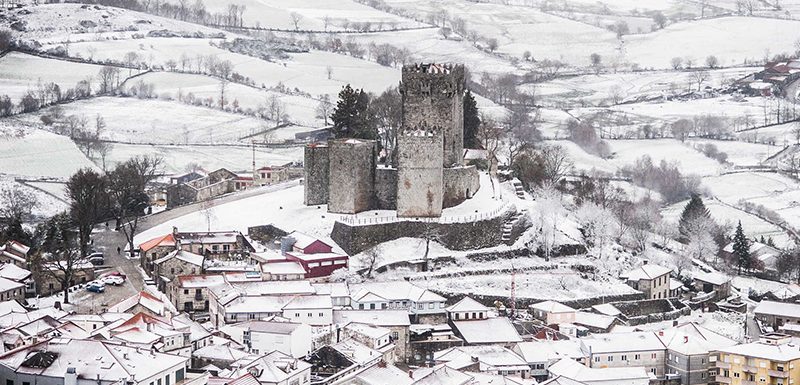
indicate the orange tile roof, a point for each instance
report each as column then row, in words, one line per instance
column 164, row 240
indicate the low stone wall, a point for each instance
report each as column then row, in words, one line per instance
column 460, row 184
column 524, row 303
column 455, row 236
column 654, row 310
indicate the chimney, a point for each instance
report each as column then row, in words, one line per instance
column 174, row 231
column 685, row 339
column 70, row 377
column 644, row 262
column 660, row 333
column 125, row 355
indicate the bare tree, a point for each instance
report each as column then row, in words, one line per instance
column 324, row 108
column 549, row 214
column 208, row 213
column 329, row 72
column 295, row 17
column 676, row 63
column 18, row 204
column 57, row 240
column 700, row 77
column 127, row 185
column 109, row 78
column 370, row 259
column 555, row 163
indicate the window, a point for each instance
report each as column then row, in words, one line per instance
column 654, row 371
column 636, row 357
column 653, row 356
column 361, row 306
column 431, row 305
column 456, row 316
column 610, row 358
column 9, row 382
column 420, row 306
column 214, row 248
column 310, row 315
column 226, row 248
column 597, row 359
column 185, row 291
column 624, row 358
column 372, row 306
column 158, row 381
column 166, row 379
column 297, row 315
column 322, row 315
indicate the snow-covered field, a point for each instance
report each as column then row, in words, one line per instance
column 305, row 71
column 301, row 109
column 689, row 161
column 740, row 153
column 39, row 153
column 46, row 204
column 154, row 121
column 234, row 158
column 20, row 73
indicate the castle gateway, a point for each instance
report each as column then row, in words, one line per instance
column 430, row 173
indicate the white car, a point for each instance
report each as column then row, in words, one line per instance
column 113, row 280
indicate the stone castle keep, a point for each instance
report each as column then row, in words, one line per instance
column 430, row 173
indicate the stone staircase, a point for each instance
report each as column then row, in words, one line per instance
column 508, row 225
column 518, row 189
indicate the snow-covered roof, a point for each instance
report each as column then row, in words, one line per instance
column 309, row 302
column 98, row 359
column 544, row 351
column 467, row 304
column 371, row 331
column 372, row 317
column 778, row 309
column 220, row 353
column 270, row 327
column 441, row 375
column 142, row 298
column 275, row 287
column 674, row 284
column 622, row 342
column 618, row 376
column 334, row 289
column 14, row 272
column 560, row 380
column 395, row 291
column 647, row 271
column 200, row 281
column 384, row 374
column 259, row 304
column 693, row 339
column 490, row 358
column 283, row 268
column 183, row 255
column 8, row 285
column 600, row 321
column 713, row 278
column 315, row 256
column 303, row 240
column 607, row 309
column 11, row 306
column 552, row 307
column 500, row 330
column 781, row 352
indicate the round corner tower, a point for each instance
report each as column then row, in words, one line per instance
column 431, row 136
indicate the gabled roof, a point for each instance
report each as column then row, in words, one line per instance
column 372, row 317
column 14, row 272
column 647, row 271
column 467, row 304
column 693, row 339
column 164, row 240
column 143, row 298
column 622, row 342
column 303, row 240
column 712, row 278
column 441, row 375
column 783, row 309
column 624, row 375
column 490, row 330
column 394, row 291
column 274, row 367
column 220, row 353
column 552, row 307
column 183, row 255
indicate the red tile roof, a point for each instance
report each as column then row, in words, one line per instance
column 164, row 240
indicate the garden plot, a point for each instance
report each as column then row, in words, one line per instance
column 39, row 153
column 311, row 14
column 20, row 73
column 152, row 121
column 519, row 29
column 177, row 158
column 58, row 22
column 301, row 110
column 304, row 71
column 733, row 40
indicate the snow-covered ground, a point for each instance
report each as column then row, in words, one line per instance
column 690, row 161
column 20, row 73
column 740, row 153
column 39, row 153
column 46, row 204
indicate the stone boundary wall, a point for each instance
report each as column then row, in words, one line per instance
column 460, row 184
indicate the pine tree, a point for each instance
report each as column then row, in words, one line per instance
column 352, row 117
column 741, row 248
column 694, row 209
column 471, row 121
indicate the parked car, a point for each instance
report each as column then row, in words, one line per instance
column 96, row 287
column 97, row 259
column 115, row 274
column 113, row 280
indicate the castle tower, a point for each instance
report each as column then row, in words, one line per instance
column 352, row 175
column 431, row 137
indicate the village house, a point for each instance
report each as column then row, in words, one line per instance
column 216, row 183
column 652, row 280
column 470, row 320
column 717, row 283
column 396, row 321
column 11, row 290
column 552, row 312
column 268, row 175
column 232, row 303
column 222, row 245
column 142, row 302
column 622, row 350
column 189, row 293
column 688, row 351
column 619, row 375
column 178, row 262
column 486, row 359
column 290, row 338
column 15, row 273
column 218, row 356
column 317, row 257
column 774, row 359
column 766, row 255
column 15, row 253
column 540, row 354
column 283, row 271
column 92, row 322
column 274, row 368
column 150, row 332
column 90, row 362
column 777, row 314
column 48, row 277
column 423, row 305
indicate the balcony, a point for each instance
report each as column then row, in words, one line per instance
column 723, row 380
column 777, row 373
column 723, row 365
column 750, row 369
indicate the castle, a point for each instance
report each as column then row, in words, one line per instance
column 430, row 174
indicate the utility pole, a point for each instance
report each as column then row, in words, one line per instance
column 513, row 291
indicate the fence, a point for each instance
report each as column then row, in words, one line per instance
column 354, row 220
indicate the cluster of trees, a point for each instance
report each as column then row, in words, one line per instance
column 710, row 150
column 78, row 128
column 584, row 134
column 666, row 179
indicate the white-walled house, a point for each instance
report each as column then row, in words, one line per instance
column 397, row 295
column 552, row 312
column 260, row 337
